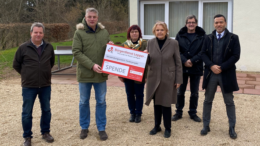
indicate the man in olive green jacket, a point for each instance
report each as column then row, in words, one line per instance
column 89, row 45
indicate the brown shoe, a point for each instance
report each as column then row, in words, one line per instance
column 83, row 133
column 103, row 135
column 27, row 141
column 47, row 137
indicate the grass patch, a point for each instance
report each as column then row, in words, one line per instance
column 7, row 56
column 118, row 39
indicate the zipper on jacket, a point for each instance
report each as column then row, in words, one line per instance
column 39, row 62
column 38, row 65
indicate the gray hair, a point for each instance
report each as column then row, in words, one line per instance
column 91, row 10
column 190, row 17
column 37, row 24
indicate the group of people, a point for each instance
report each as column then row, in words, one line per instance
column 170, row 64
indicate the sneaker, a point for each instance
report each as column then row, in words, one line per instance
column 176, row 117
column 83, row 133
column 103, row 135
column 195, row 118
column 47, row 137
column 27, row 141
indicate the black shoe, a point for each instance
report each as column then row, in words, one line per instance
column 47, row 137
column 205, row 130
column 232, row 133
column 103, row 135
column 195, row 118
column 176, row 117
column 83, row 133
column 155, row 130
column 167, row 133
column 27, row 141
column 132, row 118
column 137, row 118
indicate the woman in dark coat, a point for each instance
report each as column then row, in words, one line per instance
column 135, row 90
column 164, row 76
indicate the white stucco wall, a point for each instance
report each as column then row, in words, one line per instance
column 246, row 24
column 133, row 11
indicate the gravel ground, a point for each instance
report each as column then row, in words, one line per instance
column 65, row 120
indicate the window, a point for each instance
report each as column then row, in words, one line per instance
column 152, row 14
column 174, row 13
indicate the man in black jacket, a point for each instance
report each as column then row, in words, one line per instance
column 190, row 40
column 220, row 52
column 34, row 60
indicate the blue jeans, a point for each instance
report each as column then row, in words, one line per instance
column 29, row 96
column 135, row 96
column 194, row 96
column 84, row 110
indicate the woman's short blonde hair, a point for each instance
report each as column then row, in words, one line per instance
column 163, row 24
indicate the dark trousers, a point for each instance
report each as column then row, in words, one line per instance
column 194, row 89
column 214, row 81
column 135, row 96
column 166, row 112
column 29, row 96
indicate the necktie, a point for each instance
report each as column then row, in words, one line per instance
column 219, row 36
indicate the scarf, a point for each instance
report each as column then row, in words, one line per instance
column 129, row 44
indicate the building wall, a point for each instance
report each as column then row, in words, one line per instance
column 245, row 25
column 133, row 11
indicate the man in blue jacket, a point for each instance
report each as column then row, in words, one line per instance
column 190, row 40
column 220, row 52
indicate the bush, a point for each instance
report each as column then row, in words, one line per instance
column 12, row 35
column 115, row 27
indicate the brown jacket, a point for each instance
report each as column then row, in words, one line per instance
column 165, row 70
column 35, row 71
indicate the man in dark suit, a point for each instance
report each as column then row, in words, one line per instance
column 220, row 52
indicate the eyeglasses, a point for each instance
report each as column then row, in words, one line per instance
column 191, row 23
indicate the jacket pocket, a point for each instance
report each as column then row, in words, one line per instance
column 85, row 73
column 104, row 75
column 171, row 69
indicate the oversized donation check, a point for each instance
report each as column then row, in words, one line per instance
column 124, row 62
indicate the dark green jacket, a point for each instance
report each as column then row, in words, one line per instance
column 88, row 49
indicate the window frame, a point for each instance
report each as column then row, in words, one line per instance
column 200, row 13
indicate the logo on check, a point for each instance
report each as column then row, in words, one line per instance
column 110, row 50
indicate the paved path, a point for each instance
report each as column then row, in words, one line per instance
column 249, row 83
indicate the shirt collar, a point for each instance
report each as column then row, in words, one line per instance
column 91, row 28
column 221, row 35
column 37, row 46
